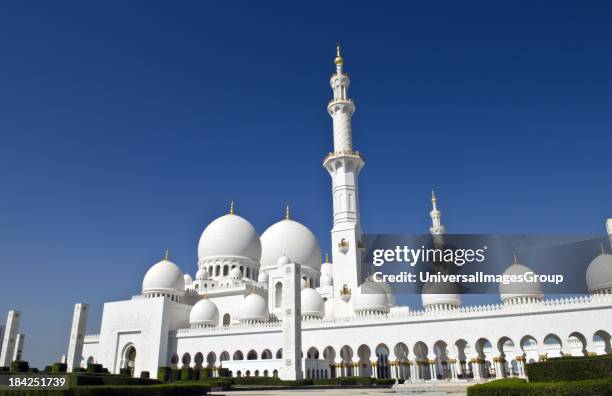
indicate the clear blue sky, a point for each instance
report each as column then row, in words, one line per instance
column 126, row 127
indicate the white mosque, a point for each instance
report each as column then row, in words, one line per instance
column 233, row 313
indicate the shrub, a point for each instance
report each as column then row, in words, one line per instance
column 387, row 381
column 269, row 381
column 84, row 379
column 94, row 368
column 206, row 372
column 518, row 387
column 59, row 368
column 176, row 375
column 4, row 369
column 125, row 371
column 79, row 370
column 164, row 373
column 186, row 374
column 224, row 372
column 20, row 366
column 144, row 374
column 219, row 382
column 571, row 369
column 152, row 390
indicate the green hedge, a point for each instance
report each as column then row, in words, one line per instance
column 518, row 387
column 271, row 381
column 187, row 374
column 59, row 368
column 84, row 379
column 571, row 369
column 118, row 390
column 94, row 368
column 224, row 372
column 20, row 366
column 206, row 372
column 164, row 373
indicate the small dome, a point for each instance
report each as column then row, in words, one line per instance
column 165, row 276
column 229, row 235
column 235, row 273
column 599, row 273
column 293, row 239
column 204, row 313
column 202, row 274
column 326, row 280
column 312, row 303
column 263, row 277
column 254, row 308
column 370, row 297
column 188, row 279
column 283, row 260
column 516, row 290
column 440, row 294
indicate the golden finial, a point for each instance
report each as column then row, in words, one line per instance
column 433, row 196
column 515, row 259
column 326, row 257
column 338, row 60
column 167, row 255
column 287, row 213
column 232, row 207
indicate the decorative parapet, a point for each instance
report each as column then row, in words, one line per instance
column 398, row 317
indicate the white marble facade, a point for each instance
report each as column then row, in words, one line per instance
column 230, row 314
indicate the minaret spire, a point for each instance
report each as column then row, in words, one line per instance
column 436, row 222
column 344, row 165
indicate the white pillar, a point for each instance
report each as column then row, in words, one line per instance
column 291, row 368
column 18, row 353
column 77, row 336
column 476, row 369
column 10, row 338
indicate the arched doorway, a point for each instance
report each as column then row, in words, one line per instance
column 129, row 358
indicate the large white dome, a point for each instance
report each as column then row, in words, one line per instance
column 292, row 239
column 312, row 303
column 370, row 297
column 516, row 290
column 230, row 235
column 164, row 276
column 254, row 308
column 599, row 273
column 204, row 313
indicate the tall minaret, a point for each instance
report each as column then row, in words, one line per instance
column 436, row 229
column 343, row 165
column 609, row 228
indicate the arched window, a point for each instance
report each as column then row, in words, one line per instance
column 226, row 320
column 278, row 295
column 248, row 272
column 252, row 355
column 275, row 373
column 279, row 353
column 225, row 270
